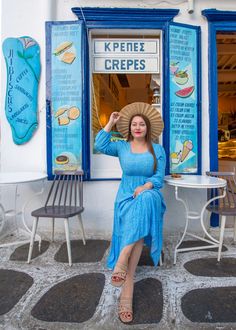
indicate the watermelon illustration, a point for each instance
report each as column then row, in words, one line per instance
column 185, row 92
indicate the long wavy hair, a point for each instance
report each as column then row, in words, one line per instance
column 147, row 137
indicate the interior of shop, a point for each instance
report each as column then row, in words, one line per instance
column 114, row 91
column 226, row 47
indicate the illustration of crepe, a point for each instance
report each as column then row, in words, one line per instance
column 65, row 114
column 62, row 47
column 73, row 113
column 63, row 121
column 60, row 112
column 187, row 147
column 68, row 57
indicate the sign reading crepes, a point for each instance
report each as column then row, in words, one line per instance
column 126, row 55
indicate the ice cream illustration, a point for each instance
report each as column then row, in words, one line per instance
column 187, row 147
column 174, row 67
column 175, row 157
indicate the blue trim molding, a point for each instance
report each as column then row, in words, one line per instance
column 218, row 21
column 214, row 15
column 116, row 18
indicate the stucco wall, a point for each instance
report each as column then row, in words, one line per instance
column 27, row 17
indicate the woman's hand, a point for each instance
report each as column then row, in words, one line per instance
column 114, row 117
column 139, row 189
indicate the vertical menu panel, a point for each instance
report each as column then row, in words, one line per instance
column 184, row 99
column 64, row 96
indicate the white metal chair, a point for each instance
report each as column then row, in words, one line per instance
column 64, row 200
column 225, row 206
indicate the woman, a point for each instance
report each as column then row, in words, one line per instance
column 139, row 205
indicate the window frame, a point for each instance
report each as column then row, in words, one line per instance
column 115, row 18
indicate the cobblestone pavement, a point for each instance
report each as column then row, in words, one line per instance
column 196, row 293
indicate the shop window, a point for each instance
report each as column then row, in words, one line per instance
column 123, row 75
column 82, row 85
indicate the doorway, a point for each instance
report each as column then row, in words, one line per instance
column 226, row 67
column 125, row 67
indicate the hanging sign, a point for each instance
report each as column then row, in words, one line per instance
column 184, row 93
column 64, row 94
column 22, row 58
column 126, row 55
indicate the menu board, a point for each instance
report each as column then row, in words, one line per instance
column 184, row 146
column 64, row 93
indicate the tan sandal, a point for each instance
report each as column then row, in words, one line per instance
column 125, row 310
column 118, row 277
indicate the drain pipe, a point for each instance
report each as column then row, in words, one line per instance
column 190, row 6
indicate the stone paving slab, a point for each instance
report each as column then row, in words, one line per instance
column 93, row 251
column 211, row 267
column 21, row 252
column 73, row 300
column 148, row 301
column 210, row 305
column 13, row 286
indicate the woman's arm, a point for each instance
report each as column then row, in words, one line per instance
column 103, row 139
column 157, row 179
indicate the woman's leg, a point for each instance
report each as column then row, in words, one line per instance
column 133, row 262
column 128, row 287
column 120, row 271
column 125, row 254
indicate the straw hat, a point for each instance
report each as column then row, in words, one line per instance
column 146, row 109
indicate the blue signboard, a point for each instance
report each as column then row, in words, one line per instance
column 64, row 95
column 184, row 96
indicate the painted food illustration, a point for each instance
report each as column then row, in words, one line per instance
column 63, row 121
column 181, row 77
column 73, row 113
column 66, row 161
column 174, row 67
column 60, row 112
column 63, row 54
column 185, row 92
column 61, row 160
column 187, row 147
column 174, row 158
column 68, row 57
column 65, row 114
column 62, row 47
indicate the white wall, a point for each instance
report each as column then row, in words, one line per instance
column 27, row 17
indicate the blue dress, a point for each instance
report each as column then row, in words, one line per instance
column 142, row 216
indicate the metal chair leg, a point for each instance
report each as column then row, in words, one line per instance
column 35, row 225
column 234, row 229
column 82, row 228
column 68, row 241
column 222, row 229
column 160, row 261
column 53, row 225
column 40, row 241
